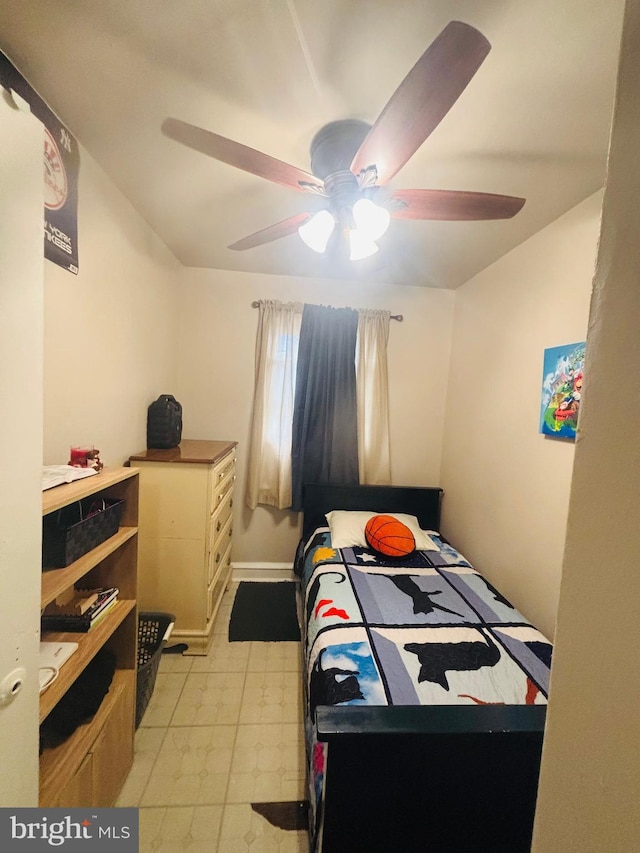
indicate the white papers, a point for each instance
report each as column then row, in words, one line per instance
column 56, row 475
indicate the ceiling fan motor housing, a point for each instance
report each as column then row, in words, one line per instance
column 332, row 151
column 334, row 146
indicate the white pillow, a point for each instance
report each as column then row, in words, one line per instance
column 347, row 529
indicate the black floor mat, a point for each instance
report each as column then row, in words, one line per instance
column 264, row 612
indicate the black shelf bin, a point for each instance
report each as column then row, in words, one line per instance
column 76, row 529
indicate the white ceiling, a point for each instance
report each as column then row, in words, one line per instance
column 533, row 122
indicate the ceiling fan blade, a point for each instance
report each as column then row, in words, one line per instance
column 454, row 205
column 273, row 232
column 422, row 100
column 240, row 156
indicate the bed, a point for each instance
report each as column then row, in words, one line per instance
column 425, row 690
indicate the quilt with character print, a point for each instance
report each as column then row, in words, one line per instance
column 419, row 630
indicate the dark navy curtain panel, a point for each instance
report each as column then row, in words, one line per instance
column 324, row 446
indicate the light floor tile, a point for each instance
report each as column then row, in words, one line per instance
column 209, row 698
column 245, row 830
column 271, row 697
column 268, row 764
column 275, row 657
column 147, row 745
column 170, row 662
column 229, row 595
column 166, row 692
column 191, row 828
column 192, row 767
column 223, row 656
column 221, row 730
column 224, row 613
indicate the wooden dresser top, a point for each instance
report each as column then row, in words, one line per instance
column 189, row 451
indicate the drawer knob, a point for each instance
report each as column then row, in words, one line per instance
column 218, row 526
column 217, row 557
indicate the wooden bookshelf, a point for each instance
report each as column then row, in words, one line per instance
column 89, row 768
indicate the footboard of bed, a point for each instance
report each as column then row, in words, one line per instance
column 434, row 778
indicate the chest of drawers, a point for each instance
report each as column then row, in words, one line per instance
column 185, row 534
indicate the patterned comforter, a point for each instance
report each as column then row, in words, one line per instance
column 425, row 629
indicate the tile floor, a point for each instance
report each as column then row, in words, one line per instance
column 221, row 731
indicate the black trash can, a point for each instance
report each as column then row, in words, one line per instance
column 154, row 629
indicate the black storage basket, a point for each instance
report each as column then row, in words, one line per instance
column 76, row 529
column 152, row 637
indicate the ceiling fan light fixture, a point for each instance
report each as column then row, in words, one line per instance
column 370, row 218
column 315, row 232
column 352, row 159
column 361, row 245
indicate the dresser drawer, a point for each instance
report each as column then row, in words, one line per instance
column 218, row 583
column 222, row 512
column 221, row 544
column 221, row 475
column 223, row 493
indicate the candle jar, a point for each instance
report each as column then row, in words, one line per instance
column 80, row 455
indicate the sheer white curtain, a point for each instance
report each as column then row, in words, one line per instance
column 372, row 378
column 269, row 466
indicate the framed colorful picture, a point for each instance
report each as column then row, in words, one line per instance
column 561, row 390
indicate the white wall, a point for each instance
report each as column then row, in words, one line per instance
column 21, row 273
column 215, row 385
column 109, row 348
column 590, row 777
column 110, row 343
column 506, row 485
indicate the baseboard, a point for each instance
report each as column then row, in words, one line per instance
column 263, row 572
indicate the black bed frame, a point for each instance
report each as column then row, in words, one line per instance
column 422, row 502
column 447, row 779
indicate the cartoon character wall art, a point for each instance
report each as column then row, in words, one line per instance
column 562, row 377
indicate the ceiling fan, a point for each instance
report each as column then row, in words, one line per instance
column 352, row 161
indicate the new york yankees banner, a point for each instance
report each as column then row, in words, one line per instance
column 61, row 166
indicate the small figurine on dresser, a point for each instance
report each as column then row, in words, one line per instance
column 93, row 460
column 86, row 457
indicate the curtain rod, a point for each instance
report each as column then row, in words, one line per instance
column 398, row 317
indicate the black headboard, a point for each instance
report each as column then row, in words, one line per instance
column 421, row 501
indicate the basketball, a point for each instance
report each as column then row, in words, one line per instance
column 388, row 536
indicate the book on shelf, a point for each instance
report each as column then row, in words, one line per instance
column 99, row 616
column 80, row 613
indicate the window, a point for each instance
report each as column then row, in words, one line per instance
column 277, row 344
